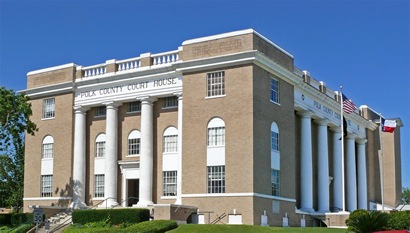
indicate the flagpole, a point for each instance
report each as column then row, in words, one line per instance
column 381, row 162
column 343, row 150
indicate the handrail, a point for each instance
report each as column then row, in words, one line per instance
column 137, row 198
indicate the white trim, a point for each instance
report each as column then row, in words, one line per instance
column 47, row 91
column 168, row 197
column 46, row 198
column 52, row 68
column 196, row 195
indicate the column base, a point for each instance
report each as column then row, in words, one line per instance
column 143, row 204
column 307, row 210
column 323, row 211
column 77, row 205
column 109, row 203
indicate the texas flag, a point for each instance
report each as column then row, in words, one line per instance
column 388, row 125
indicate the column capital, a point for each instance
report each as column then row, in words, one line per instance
column 178, row 94
column 113, row 104
column 81, row 109
column 361, row 141
column 147, row 99
column 350, row 136
column 305, row 114
column 336, row 129
column 322, row 122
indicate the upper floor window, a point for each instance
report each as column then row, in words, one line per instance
column 170, row 140
column 100, row 111
column 49, row 108
column 134, row 107
column 47, row 149
column 46, row 186
column 216, row 84
column 274, row 137
column 100, row 146
column 216, row 132
column 134, row 140
column 170, row 102
column 274, row 90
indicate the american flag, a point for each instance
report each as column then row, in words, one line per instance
column 348, row 105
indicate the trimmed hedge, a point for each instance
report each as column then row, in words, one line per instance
column 156, row 226
column 114, row 216
column 399, row 220
column 20, row 218
column 5, row 219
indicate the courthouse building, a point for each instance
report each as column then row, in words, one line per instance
column 225, row 123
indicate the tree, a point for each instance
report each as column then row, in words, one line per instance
column 405, row 196
column 15, row 112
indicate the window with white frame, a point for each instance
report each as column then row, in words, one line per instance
column 170, row 140
column 100, row 146
column 134, row 107
column 274, row 140
column 216, row 84
column 99, row 181
column 134, row 140
column 46, row 186
column 49, row 108
column 275, row 179
column 216, row 179
column 170, row 102
column 47, row 150
column 274, row 90
column 100, row 111
column 216, row 132
column 169, row 183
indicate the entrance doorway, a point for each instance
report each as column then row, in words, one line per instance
column 133, row 191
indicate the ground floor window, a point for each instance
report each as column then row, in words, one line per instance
column 46, row 185
column 169, row 183
column 216, row 179
column 99, row 185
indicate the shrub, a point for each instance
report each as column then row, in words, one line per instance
column 361, row 221
column 156, row 226
column 5, row 219
column 20, row 218
column 399, row 220
column 115, row 216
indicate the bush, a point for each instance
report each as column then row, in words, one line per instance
column 20, row 218
column 115, row 216
column 361, row 221
column 5, row 219
column 156, row 226
column 399, row 220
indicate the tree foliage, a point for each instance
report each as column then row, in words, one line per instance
column 15, row 112
column 405, row 196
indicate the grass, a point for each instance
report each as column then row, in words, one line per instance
column 194, row 228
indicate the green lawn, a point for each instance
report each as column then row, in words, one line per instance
column 188, row 228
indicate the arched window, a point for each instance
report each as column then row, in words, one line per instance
column 47, row 148
column 170, row 140
column 100, row 146
column 216, row 132
column 134, row 140
column 274, row 135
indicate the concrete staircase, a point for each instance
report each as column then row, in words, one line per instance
column 57, row 223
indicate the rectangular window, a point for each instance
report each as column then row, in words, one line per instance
column 47, row 151
column 46, row 186
column 169, row 183
column 216, row 136
column 216, row 84
column 216, row 179
column 275, row 141
column 100, row 111
column 133, row 146
column 170, row 102
column 99, row 181
column 48, row 108
column 134, row 107
column 275, row 178
column 274, row 91
column 170, row 143
column 99, row 149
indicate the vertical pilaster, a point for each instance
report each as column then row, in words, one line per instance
column 323, row 168
column 351, row 184
column 146, row 156
column 79, row 157
column 337, row 169
column 179, row 168
column 306, row 169
column 361, row 175
column 111, row 157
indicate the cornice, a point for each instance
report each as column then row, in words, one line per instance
column 56, row 89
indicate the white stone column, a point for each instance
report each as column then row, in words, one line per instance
column 146, row 156
column 323, row 168
column 179, row 168
column 79, row 157
column 361, row 175
column 351, row 184
column 337, row 169
column 306, row 169
column 111, row 154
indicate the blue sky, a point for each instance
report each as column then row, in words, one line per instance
column 362, row 45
